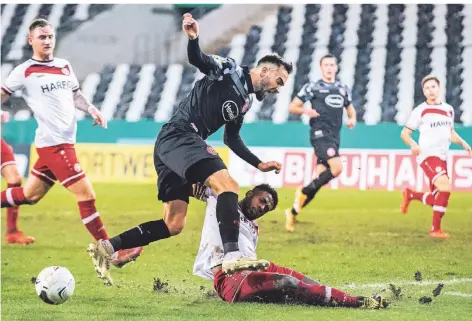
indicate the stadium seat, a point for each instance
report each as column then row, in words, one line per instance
column 383, row 53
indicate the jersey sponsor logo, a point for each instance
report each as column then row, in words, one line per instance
column 440, row 123
column 211, row 150
column 230, row 110
column 56, row 85
column 335, row 101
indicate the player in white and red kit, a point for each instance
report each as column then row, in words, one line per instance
column 12, row 177
column 51, row 90
column 434, row 120
column 276, row 284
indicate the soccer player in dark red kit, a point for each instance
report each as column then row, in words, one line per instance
column 276, row 284
column 13, row 179
column 51, row 90
column 434, row 120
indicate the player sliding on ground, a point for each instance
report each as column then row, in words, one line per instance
column 275, row 284
column 434, row 120
column 182, row 157
column 51, row 90
column 329, row 97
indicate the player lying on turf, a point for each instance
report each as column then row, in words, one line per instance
column 274, row 284
column 51, row 89
column 13, row 179
column 434, row 120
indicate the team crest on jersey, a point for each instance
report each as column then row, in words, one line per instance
column 65, row 71
column 77, row 168
column 331, row 152
column 211, row 150
column 449, row 114
column 342, row 91
column 438, row 169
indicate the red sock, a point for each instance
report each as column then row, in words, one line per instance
column 439, row 208
column 12, row 215
column 427, row 198
column 13, row 196
column 91, row 219
column 323, row 295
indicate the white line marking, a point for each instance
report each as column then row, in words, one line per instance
column 403, row 282
column 465, row 295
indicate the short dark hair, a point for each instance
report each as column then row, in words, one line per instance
column 428, row 78
column 275, row 59
column 269, row 189
column 38, row 23
column 328, row 56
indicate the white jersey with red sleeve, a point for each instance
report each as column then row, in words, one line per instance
column 210, row 253
column 47, row 87
column 434, row 122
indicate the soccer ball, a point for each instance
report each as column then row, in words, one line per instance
column 55, row 284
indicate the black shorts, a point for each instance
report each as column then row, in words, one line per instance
column 182, row 158
column 325, row 149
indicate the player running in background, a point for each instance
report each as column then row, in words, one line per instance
column 328, row 97
column 276, row 284
column 51, row 90
column 13, row 179
column 182, row 157
column 434, row 120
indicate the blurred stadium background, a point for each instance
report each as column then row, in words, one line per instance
column 131, row 61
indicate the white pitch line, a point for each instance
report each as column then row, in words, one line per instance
column 415, row 283
column 465, row 295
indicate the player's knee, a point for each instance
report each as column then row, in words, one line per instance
column 443, row 184
column 221, row 182
column 336, row 168
column 175, row 221
column 286, row 283
column 175, row 226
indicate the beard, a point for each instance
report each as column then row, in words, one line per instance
column 249, row 212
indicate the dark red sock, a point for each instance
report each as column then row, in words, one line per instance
column 323, row 295
column 91, row 219
column 12, row 214
column 12, row 197
column 439, row 209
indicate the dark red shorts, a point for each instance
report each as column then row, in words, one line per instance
column 246, row 285
column 433, row 167
column 6, row 157
column 58, row 163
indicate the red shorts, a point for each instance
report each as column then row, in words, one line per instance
column 433, row 167
column 246, row 285
column 58, row 163
column 6, row 157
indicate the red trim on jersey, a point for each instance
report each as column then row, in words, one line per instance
column 436, row 111
column 7, row 90
column 42, row 69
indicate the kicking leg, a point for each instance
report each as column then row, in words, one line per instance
column 409, row 195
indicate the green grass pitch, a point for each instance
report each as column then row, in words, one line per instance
column 346, row 239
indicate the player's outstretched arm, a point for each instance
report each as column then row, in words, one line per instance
column 406, row 136
column 195, row 55
column 233, row 140
column 457, row 139
column 83, row 104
